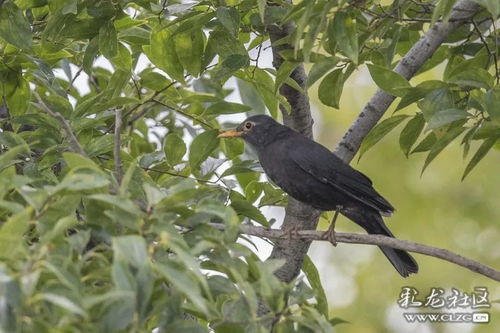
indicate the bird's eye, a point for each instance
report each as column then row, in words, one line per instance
column 248, row 125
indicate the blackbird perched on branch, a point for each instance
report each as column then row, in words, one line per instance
column 310, row 173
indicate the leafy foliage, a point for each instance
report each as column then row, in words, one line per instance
column 84, row 248
column 369, row 32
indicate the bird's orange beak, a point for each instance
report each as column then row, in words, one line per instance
column 230, row 134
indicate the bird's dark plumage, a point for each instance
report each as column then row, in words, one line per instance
column 310, row 173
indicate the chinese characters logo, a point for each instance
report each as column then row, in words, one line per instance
column 439, row 299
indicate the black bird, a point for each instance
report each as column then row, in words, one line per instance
column 310, row 173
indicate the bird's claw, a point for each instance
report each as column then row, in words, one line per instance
column 293, row 232
column 330, row 235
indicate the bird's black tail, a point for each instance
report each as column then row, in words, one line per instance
column 373, row 223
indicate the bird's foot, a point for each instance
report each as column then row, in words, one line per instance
column 330, row 235
column 293, row 232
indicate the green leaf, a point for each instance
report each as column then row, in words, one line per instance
column 174, row 148
column 444, row 117
column 201, row 147
column 286, row 68
column 100, row 145
column 411, row 132
column 11, row 139
column 232, row 148
column 76, row 161
column 442, row 142
column 311, row 35
column 14, row 28
column 379, row 131
column 12, row 231
column 19, row 101
column 435, row 101
column 301, row 25
column 389, row 81
column 330, row 88
column 64, row 303
column 264, row 85
column 227, row 108
column 344, row 31
column 493, row 6
column 117, row 82
column 272, row 196
column 8, row 158
column 458, row 64
column 123, row 59
column 90, row 54
column 58, row 104
column 70, row 7
column 419, row 92
column 243, row 207
column 443, row 9
column 116, row 202
column 476, row 78
column 153, row 80
column 466, row 140
column 162, row 54
column 227, row 214
column 492, row 103
column 59, row 228
column 253, row 190
column 426, row 144
column 225, row 44
column 130, row 249
column 108, row 41
column 82, row 179
column 250, row 96
column 261, row 4
column 230, row 65
column 189, row 47
column 480, row 153
column 241, row 167
column 229, row 17
column 312, row 275
column 320, row 68
column 183, row 281
column 337, row 321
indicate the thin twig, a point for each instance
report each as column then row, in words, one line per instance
column 490, row 53
column 185, row 176
column 149, row 100
column 380, row 240
column 77, row 74
column 185, row 114
column 75, row 145
column 117, row 146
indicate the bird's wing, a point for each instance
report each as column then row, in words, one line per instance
column 327, row 168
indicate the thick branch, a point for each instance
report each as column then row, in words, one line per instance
column 298, row 215
column 379, row 240
column 75, row 145
column 407, row 67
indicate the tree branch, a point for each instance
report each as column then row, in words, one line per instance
column 380, row 240
column 75, row 145
column 423, row 50
column 298, row 215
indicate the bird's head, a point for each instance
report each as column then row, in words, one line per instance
column 257, row 130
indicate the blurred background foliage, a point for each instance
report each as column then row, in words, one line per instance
column 100, row 234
